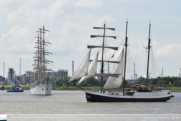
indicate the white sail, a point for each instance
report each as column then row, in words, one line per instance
column 83, row 68
column 113, row 82
column 92, row 69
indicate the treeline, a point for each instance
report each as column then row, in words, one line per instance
column 62, row 81
column 175, row 81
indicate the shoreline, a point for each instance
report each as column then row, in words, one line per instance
column 71, row 88
column 173, row 91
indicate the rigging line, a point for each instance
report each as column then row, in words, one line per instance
column 151, row 62
column 145, row 60
column 156, row 66
column 107, row 59
column 124, row 22
column 130, row 58
column 116, row 31
column 115, row 50
column 115, row 23
column 138, row 22
column 139, row 31
column 135, row 66
column 154, row 69
column 100, row 33
column 128, row 63
column 136, row 69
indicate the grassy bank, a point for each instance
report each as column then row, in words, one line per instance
column 173, row 89
column 9, row 87
column 27, row 87
column 74, row 88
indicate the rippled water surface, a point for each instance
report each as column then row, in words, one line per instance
column 74, row 102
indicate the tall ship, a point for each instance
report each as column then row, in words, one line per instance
column 109, row 91
column 41, row 83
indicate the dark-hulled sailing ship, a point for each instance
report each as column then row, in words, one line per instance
column 108, row 93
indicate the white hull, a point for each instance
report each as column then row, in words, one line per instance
column 41, row 89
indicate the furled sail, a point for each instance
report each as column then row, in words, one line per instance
column 83, row 68
column 92, row 69
column 113, row 82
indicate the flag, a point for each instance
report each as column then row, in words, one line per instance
column 170, row 83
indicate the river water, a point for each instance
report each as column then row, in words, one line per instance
column 74, row 102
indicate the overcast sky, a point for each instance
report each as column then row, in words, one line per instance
column 70, row 23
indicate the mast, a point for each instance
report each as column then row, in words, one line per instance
column 103, row 46
column 149, row 40
column 43, row 51
column 38, row 77
column 40, row 57
column 102, row 64
column 126, row 44
column 40, row 60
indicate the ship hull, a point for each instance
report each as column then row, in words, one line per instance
column 41, row 90
column 15, row 90
column 96, row 97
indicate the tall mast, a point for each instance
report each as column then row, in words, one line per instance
column 102, row 64
column 103, row 46
column 126, row 44
column 40, row 56
column 37, row 58
column 38, row 63
column 149, row 40
column 43, row 52
column 41, row 61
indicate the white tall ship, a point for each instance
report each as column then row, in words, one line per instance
column 41, row 84
column 109, row 92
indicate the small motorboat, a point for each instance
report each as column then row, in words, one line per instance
column 16, row 88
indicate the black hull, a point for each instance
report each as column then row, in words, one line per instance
column 99, row 98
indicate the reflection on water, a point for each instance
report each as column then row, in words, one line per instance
column 74, row 102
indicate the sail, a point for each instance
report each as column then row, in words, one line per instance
column 92, row 69
column 83, row 68
column 113, row 82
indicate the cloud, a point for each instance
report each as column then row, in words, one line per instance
column 88, row 3
column 166, row 50
column 31, row 15
column 70, row 23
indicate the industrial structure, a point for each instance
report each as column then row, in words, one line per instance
column 29, row 76
column 72, row 68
